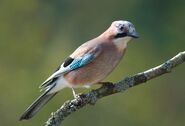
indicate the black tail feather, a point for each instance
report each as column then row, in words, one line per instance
column 37, row 105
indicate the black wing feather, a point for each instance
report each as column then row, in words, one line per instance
column 68, row 61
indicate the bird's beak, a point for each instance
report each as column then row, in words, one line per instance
column 133, row 34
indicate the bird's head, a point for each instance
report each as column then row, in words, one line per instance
column 123, row 29
column 121, row 32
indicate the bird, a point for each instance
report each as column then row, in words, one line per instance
column 89, row 64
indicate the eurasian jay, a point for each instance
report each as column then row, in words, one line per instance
column 88, row 64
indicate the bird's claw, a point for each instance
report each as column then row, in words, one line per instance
column 107, row 84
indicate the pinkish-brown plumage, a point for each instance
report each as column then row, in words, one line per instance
column 100, row 67
column 89, row 64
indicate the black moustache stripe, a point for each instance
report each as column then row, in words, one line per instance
column 120, row 35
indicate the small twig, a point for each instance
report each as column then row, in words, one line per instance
column 109, row 88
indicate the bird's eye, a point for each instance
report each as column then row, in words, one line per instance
column 121, row 28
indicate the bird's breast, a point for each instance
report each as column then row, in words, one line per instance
column 96, row 70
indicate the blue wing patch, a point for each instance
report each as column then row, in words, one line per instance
column 81, row 61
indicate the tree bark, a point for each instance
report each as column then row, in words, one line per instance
column 109, row 88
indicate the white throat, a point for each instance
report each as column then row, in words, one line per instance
column 121, row 43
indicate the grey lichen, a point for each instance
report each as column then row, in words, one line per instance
column 167, row 66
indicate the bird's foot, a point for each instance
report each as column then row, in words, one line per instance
column 109, row 84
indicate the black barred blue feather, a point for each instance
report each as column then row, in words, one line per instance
column 77, row 63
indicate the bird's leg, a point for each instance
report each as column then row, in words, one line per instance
column 74, row 94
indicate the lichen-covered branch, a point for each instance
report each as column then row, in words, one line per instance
column 111, row 88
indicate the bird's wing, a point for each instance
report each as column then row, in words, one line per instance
column 71, row 64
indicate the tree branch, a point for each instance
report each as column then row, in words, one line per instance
column 109, row 88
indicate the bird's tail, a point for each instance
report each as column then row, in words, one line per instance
column 37, row 105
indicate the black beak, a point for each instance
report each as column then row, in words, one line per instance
column 133, row 34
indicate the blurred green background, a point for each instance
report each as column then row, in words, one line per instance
column 37, row 35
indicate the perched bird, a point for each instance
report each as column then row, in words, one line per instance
column 88, row 64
